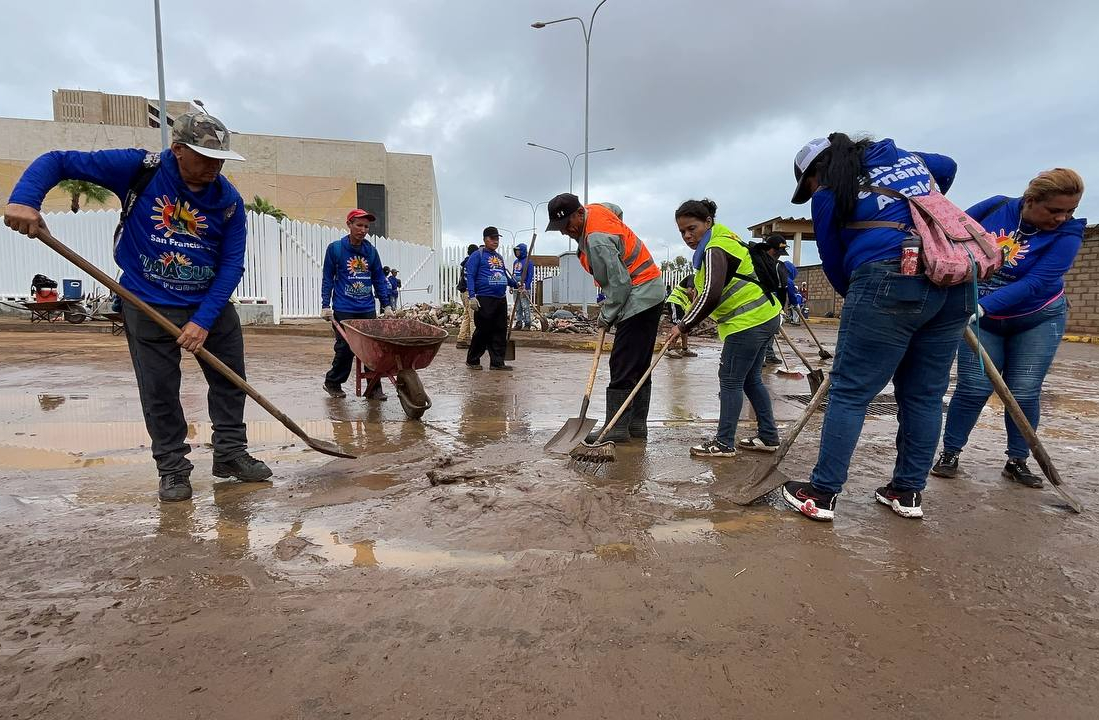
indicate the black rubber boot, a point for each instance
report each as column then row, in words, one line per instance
column 620, row 432
column 639, row 413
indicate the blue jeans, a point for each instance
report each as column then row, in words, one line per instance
column 522, row 313
column 1022, row 349
column 893, row 326
column 741, row 373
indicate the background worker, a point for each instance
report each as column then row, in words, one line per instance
column 523, row 271
column 772, row 271
column 394, row 289
column 1022, row 312
column 747, row 319
column 630, row 280
column 181, row 246
column 894, row 326
column 679, row 304
column 352, row 276
column 488, row 281
column 465, row 330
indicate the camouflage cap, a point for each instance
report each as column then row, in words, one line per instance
column 204, row 134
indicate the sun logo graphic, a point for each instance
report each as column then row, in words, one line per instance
column 1013, row 249
column 174, row 260
column 495, row 262
column 357, row 265
column 177, row 218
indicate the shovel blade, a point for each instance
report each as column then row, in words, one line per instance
column 329, row 448
column 509, row 351
column 568, row 437
column 747, row 487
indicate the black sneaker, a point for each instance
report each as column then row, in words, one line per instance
column 712, row 449
column 1017, row 471
column 772, row 360
column 244, row 468
column 473, row 366
column 377, row 393
column 757, row 444
column 175, row 488
column 335, row 391
column 905, row 503
column 947, row 467
column 810, row 502
column 508, row 368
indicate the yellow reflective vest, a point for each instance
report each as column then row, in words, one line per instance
column 743, row 303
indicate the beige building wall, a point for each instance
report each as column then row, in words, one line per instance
column 309, row 179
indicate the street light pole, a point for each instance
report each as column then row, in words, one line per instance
column 160, row 78
column 587, row 78
column 571, row 161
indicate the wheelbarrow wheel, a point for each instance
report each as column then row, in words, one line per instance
column 76, row 317
column 411, row 393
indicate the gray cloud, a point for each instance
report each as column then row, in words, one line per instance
column 698, row 98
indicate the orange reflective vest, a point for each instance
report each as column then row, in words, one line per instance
column 635, row 256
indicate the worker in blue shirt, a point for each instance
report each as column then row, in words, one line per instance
column 524, row 268
column 394, row 289
column 351, row 278
column 487, row 280
column 180, row 245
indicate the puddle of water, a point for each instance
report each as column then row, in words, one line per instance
column 701, row 529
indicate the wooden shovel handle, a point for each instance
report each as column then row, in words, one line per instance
column 591, row 375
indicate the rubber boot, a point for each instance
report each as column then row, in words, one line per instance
column 620, row 432
column 639, row 413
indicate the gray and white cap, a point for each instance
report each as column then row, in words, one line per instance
column 802, row 161
column 204, row 134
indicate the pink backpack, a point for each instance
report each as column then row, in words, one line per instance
column 955, row 249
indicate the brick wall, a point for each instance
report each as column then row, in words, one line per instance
column 1081, row 287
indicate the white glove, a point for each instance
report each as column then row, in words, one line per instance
column 326, row 313
column 977, row 315
column 474, row 304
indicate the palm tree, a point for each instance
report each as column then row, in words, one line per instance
column 680, row 261
column 264, row 206
column 90, row 191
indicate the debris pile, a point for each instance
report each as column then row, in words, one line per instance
column 444, row 316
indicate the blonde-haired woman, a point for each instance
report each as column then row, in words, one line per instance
column 1022, row 312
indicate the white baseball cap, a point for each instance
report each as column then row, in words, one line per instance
column 802, row 161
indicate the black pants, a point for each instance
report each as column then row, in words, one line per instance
column 634, row 339
column 156, row 360
column 341, row 361
column 491, row 331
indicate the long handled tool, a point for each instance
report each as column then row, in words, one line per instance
column 816, row 377
column 785, row 369
column 590, row 457
column 321, row 446
column 824, row 354
column 577, row 428
column 1021, row 422
column 766, row 478
column 509, row 351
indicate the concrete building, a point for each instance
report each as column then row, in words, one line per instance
column 798, row 230
column 310, row 179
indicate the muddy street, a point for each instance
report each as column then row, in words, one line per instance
column 456, row 571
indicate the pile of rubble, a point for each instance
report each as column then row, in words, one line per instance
column 444, row 316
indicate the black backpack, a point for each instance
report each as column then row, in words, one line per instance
column 462, row 285
column 767, row 274
column 138, row 183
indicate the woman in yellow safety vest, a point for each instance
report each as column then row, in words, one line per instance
column 679, row 304
column 747, row 318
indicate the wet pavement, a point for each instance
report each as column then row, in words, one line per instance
column 516, row 586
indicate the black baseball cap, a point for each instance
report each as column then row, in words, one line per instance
column 490, row 231
column 560, row 208
column 775, row 241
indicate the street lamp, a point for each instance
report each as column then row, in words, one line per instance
column 587, row 74
column 571, row 161
column 533, row 209
column 160, row 77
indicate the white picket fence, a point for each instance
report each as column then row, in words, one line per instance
column 282, row 266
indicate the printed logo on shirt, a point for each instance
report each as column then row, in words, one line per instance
column 177, row 218
column 894, row 177
column 175, row 271
column 357, row 289
column 358, row 267
column 1014, row 247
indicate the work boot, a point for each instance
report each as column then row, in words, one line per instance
column 772, row 360
column 175, row 487
column 639, row 414
column 244, row 468
column 1017, row 471
column 620, row 432
column 334, row 390
column 688, row 353
column 947, row 467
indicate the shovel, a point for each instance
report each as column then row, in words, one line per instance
column 816, row 377
column 767, row 478
column 1011, row 405
column 785, row 370
column 577, row 428
column 321, row 446
column 509, row 351
column 824, row 354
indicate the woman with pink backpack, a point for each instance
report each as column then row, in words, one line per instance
column 896, row 323
column 1021, row 314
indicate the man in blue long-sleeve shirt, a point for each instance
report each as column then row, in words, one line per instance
column 180, row 246
column 351, row 278
column 488, row 280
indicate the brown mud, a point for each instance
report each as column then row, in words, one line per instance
column 455, row 571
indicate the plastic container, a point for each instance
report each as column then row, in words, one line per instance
column 73, row 289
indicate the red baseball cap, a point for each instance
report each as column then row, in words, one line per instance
column 357, row 213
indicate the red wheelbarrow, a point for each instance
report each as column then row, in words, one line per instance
column 394, row 348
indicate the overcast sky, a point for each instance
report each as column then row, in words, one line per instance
column 698, row 98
